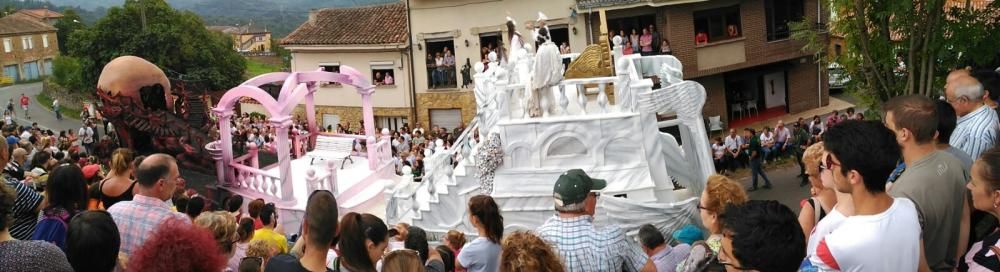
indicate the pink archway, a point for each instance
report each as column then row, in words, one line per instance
column 297, row 85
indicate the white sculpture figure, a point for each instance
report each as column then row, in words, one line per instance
column 439, row 146
column 548, row 70
column 488, row 159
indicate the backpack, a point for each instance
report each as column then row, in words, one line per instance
column 52, row 228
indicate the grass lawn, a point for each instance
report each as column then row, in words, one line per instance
column 256, row 68
column 46, row 102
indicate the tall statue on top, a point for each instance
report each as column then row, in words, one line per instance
column 548, row 70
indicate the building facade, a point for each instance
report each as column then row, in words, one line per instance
column 27, row 48
column 247, row 39
column 741, row 51
column 372, row 40
column 467, row 28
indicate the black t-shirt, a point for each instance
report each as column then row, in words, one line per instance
column 286, row 263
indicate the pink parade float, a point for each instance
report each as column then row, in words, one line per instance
column 321, row 160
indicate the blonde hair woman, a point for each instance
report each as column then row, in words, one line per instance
column 404, row 260
column 840, row 206
column 719, row 192
column 118, row 185
column 525, row 251
column 222, row 224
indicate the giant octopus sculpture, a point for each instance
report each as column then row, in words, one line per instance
column 148, row 115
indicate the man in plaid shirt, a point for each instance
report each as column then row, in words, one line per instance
column 581, row 245
column 157, row 177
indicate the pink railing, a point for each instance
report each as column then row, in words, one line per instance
column 300, row 144
column 248, row 174
column 383, row 151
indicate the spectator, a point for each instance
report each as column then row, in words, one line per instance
column 976, row 130
column 156, row 177
column 416, row 239
column 934, row 180
column 363, row 240
column 646, row 41
column 455, row 240
column 269, row 217
column 832, row 119
column 253, row 209
column 66, row 196
column 984, row 187
column 259, row 249
column 884, row 233
column 755, row 154
column 628, row 49
column 244, row 232
column 223, row 227
column 761, row 235
column 42, row 162
column 733, row 143
column 13, row 168
column 319, row 231
column 603, row 249
column 633, row 41
column 17, row 255
column 719, row 155
column 388, row 79
column 195, row 206
column 176, row 245
column 92, row 242
column 782, row 138
column 665, row 47
column 27, row 203
column 234, row 204
column 825, row 198
column 524, row 251
column 447, row 256
column 118, row 186
column 719, row 192
column 767, row 144
column 946, row 125
column 799, row 142
column 402, row 261
column 483, row 253
column 662, row 257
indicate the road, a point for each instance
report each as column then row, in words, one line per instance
column 43, row 116
column 785, row 182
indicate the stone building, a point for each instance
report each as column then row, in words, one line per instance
column 248, row 39
column 27, row 47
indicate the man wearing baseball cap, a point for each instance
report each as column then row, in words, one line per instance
column 581, row 245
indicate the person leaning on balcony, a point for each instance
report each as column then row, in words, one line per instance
column 646, row 41
column 576, row 196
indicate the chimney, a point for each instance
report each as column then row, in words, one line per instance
column 312, row 15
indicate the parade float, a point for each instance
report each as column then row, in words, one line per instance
column 535, row 120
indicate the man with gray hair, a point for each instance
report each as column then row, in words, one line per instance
column 581, row 245
column 977, row 126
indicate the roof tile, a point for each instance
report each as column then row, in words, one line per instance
column 21, row 23
column 382, row 24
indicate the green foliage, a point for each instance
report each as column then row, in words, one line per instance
column 907, row 47
column 284, row 54
column 174, row 40
column 67, row 73
column 70, row 22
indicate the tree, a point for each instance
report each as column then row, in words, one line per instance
column 69, row 23
column 907, row 47
column 176, row 41
column 66, row 72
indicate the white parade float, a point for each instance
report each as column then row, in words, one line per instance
column 521, row 150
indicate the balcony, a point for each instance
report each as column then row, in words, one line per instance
column 721, row 54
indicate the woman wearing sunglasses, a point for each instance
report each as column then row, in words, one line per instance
column 719, row 192
column 817, row 161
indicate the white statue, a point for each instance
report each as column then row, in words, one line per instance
column 548, row 71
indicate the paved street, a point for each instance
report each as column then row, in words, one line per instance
column 45, row 118
column 786, row 186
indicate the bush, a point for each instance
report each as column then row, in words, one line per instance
column 67, row 73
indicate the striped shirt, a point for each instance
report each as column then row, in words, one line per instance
column 584, row 247
column 138, row 218
column 25, row 209
column 976, row 132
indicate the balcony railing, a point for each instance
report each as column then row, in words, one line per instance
column 442, row 77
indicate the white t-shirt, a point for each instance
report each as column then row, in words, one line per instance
column 86, row 135
column 889, row 241
column 829, row 223
column 718, row 149
column 766, row 138
column 733, row 143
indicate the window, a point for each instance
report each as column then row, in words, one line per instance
column 383, row 73
column 624, row 27
column 393, row 123
column 333, row 67
column 45, row 41
column 779, row 14
column 836, row 50
column 447, row 119
column 441, row 64
column 7, row 45
column 717, row 25
column 490, row 42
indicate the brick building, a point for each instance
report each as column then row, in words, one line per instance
column 247, row 39
column 27, row 47
column 740, row 51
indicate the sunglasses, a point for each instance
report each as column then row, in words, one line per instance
column 700, row 207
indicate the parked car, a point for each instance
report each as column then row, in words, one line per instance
column 838, row 77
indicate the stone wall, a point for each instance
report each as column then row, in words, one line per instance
column 463, row 100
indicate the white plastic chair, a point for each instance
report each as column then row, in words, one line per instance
column 752, row 105
column 733, row 108
column 714, row 123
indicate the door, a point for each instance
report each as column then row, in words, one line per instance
column 31, row 70
column 331, row 120
column 47, row 65
column 774, row 90
column 11, row 72
column 446, row 118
